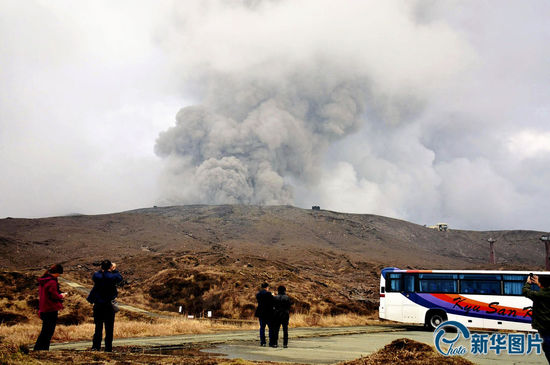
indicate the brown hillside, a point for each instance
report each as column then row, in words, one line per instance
column 214, row 257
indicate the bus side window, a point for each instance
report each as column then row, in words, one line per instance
column 480, row 284
column 408, row 283
column 393, row 282
column 513, row 284
column 437, row 283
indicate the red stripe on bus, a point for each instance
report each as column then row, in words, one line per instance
column 461, row 302
column 382, row 295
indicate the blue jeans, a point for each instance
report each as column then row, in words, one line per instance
column 264, row 322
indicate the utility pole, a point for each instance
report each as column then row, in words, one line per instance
column 492, row 259
column 546, row 239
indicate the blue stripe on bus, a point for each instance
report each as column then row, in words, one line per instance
column 429, row 301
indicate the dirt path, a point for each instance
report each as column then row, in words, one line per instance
column 84, row 290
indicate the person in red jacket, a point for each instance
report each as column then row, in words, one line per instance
column 50, row 302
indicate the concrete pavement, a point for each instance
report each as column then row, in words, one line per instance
column 330, row 350
column 306, row 345
column 224, row 337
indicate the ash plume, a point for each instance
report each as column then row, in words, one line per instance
column 245, row 148
column 274, row 96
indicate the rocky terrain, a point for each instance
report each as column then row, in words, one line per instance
column 215, row 257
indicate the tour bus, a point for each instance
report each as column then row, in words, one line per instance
column 475, row 298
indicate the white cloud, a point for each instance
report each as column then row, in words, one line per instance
column 529, row 144
column 82, row 96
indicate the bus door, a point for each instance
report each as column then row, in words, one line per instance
column 410, row 309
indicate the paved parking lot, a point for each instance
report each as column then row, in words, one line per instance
column 329, row 350
column 306, row 345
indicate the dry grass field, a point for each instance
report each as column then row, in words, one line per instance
column 21, row 325
column 26, row 333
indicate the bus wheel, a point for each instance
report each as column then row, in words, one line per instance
column 435, row 318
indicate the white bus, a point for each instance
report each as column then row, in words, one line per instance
column 475, row 298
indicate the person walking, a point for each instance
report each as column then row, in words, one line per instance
column 281, row 315
column 541, row 308
column 264, row 312
column 102, row 296
column 50, row 302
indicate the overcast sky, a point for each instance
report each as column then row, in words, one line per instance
column 427, row 111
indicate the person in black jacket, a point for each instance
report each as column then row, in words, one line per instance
column 102, row 296
column 281, row 315
column 264, row 312
column 541, row 308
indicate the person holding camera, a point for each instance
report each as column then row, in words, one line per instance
column 541, row 308
column 50, row 302
column 102, row 297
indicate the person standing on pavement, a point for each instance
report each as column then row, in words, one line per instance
column 50, row 302
column 102, row 296
column 281, row 315
column 541, row 308
column 264, row 312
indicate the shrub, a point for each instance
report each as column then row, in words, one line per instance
column 10, row 319
column 187, row 289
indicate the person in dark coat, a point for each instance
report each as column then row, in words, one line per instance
column 50, row 302
column 264, row 312
column 281, row 315
column 541, row 308
column 102, row 295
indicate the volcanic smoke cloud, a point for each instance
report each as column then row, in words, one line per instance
column 289, row 82
column 244, row 149
column 421, row 110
